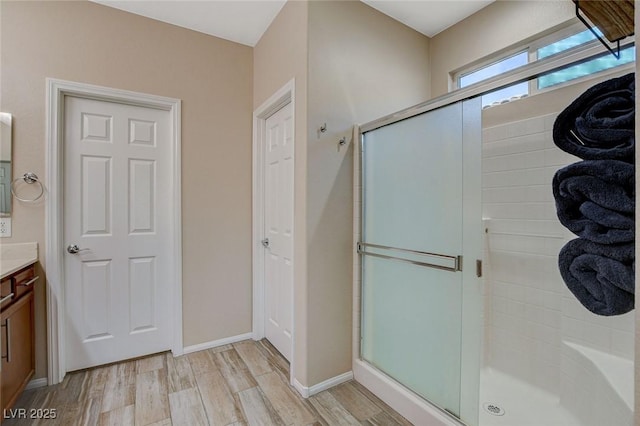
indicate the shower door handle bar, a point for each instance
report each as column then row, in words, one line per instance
column 455, row 261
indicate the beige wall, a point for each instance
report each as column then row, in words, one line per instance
column 362, row 65
column 347, row 84
column 89, row 43
column 279, row 56
column 498, row 26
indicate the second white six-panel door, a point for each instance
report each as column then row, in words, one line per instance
column 278, row 201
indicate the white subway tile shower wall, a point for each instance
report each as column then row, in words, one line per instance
column 529, row 310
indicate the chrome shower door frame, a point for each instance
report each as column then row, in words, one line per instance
column 471, row 300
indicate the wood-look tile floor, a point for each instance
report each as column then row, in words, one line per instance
column 241, row 384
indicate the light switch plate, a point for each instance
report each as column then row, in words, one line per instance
column 5, row 227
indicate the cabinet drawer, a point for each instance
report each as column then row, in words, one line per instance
column 5, row 289
column 23, row 281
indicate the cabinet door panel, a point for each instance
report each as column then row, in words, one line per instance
column 17, row 348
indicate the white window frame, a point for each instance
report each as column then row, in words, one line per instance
column 570, row 28
column 485, row 62
column 592, row 46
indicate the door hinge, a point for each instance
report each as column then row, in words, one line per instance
column 479, row 268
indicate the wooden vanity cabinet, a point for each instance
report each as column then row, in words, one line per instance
column 17, row 336
column 6, row 287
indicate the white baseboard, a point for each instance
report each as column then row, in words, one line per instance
column 302, row 390
column 306, row 392
column 216, row 343
column 37, row 383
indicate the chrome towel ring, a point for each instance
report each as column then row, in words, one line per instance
column 28, row 178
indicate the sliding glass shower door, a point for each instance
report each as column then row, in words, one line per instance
column 412, row 245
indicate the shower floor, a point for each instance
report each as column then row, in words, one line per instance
column 523, row 404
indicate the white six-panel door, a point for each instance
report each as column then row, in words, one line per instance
column 278, row 224
column 117, row 181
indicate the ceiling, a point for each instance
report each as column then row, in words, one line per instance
column 244, row 21
column 428, row 16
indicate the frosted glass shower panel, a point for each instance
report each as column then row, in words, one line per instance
column 413, row 183
column 411, row 328
column 411, row 237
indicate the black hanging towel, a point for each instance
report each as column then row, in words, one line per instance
column 595, row 198
column 600, row 123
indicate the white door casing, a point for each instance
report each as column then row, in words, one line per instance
column 278, row 225
column 117, row 166
column 127, row 213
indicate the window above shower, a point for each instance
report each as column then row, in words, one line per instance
column 560, row 43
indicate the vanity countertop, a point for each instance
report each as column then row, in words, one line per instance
column 14, row 257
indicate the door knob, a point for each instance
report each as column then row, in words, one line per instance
column 74, row 249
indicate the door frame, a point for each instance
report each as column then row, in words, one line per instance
column 57, row 90
column 284, row 96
